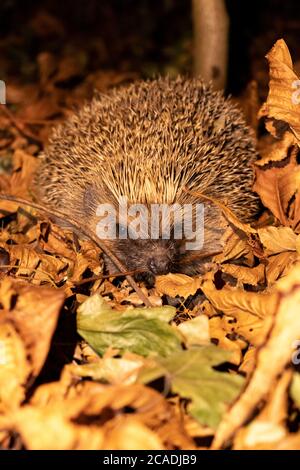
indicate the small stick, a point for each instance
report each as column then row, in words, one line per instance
column 89, row 234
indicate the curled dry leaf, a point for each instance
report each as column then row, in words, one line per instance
column 19, row 182
column 268, row 429
column 281, row 246
column 278, row 150
column 284, row 97
column 130, row 434
column 195, row 331
column 278, row 239
column 177, row 284
column 94, row 416
column 24, row 258
column 250, row 310
column 244, row 274
column 229, row 300
column 272, row 357
column 276, row 187
column 248, row 364
column 34, row 313
column 56, row 241
column 222, row 332
column 88, row 257
column 279, row 265
column 14, row 367
column 236, row 246
column 278, row 173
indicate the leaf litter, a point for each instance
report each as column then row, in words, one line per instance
column 84, row 366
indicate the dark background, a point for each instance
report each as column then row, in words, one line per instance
column 144, row 36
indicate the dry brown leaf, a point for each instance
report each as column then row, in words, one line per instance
column 235, row 247
column 231, row 300
column 128, row 433
column 268, row 428
column 24, row 166
column 283, row 98
column 14, row 367
column 270, row 184
column 249, row 360
column 177, row 284
column 220, row 328
column 251, row 328
column 278, row 150
column 272, row 358
column 64, row 407
column 243, row 274
column 34, row 314
column 207, row 309
column 25, row 257
column 134, row 299
column 277, row 239
column 279, row 265
column 56, row 241
column 277, row 185
column 49, row 429
column 50, row 268
column 88, row 257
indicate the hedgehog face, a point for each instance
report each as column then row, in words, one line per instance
column 165, row 254
column 152, row 257
column 157, row 257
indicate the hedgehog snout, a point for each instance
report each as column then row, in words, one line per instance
column 158, row 265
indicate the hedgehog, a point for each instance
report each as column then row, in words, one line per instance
column 154, row 142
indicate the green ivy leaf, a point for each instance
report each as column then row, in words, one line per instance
column 192, row 376
column 143, row 331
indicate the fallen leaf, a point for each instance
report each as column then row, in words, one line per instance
column 34, row 314
column 195, row 331
column 142, row 331
column 192, row 376
column 277, row 239
column 283, row 98
column 177, row 284
column 272, row 357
